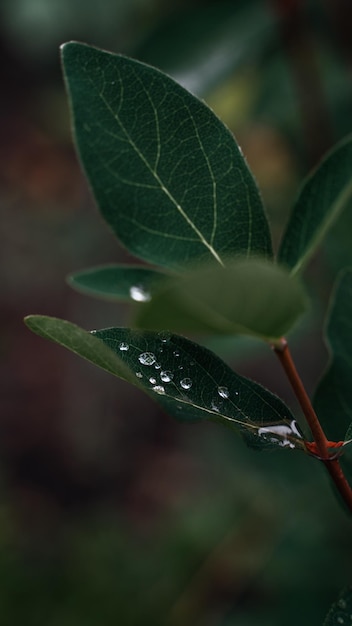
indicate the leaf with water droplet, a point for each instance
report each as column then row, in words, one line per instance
column 248, row 408
column 248, row 296
column 166, row 173
column 340, row 613
column 207, row 389
column 126, row 283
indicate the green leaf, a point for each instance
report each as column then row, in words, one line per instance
column 192, row 383
column 252, row 297
column 333, row 398
column 340, row 613
column 79, row 341
column 130, row 283
column 188, row 381
column 324, row 194
column 167, row 175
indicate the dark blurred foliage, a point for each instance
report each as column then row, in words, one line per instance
column 111, row 513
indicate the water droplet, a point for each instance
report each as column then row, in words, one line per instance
column 140, row 293
column 157, row 366
column 223, row 392
column 166, row 376
column 159, row 389
column 191, row 363
column 186, row 383
column 180, row 367
column 214, row 406
column 164, row 336
column 342, row 603
column 139, row 374
column 176, row 353
column 93, row 332
column 123, row 346
column 147, row 358
column 152, row 380
column 279, row 434
column 237, row 393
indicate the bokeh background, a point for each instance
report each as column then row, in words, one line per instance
column 110, row 512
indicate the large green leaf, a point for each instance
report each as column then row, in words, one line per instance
column 340, row 613
column 252, row 297
column 333, row 398
column 117, row 282
column 192, row 383
column 166, row 173
column 324, row 194
column 187, row 380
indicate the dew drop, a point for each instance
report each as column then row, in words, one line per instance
column 176, row 353
column 342, row 603
column 214, row 406
column 152, row 380
column 191, row 363
column 164, row 336
column 237, row 393
column 166, row 376
column 186, row 383
column 159, row 389
column 123, row 346
column 93, row 332
column 139, row 374
column 157, row 366
column 180, row 367
column 223, row 392
column 140, row 294
column 147, row 358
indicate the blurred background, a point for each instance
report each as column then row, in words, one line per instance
column 110, row 512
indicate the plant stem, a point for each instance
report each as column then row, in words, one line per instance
column 332, row 465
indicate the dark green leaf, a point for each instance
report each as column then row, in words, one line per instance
column 166, row 173
column 188, row 381
column 323, row 196
column 340, row 613
column 192, row 383
column 81, row 342
column 251, row 297
column 117, row 282
column 333, row 398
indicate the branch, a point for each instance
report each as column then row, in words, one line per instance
column 332, row 464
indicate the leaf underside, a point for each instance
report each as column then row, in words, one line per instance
column 166, row 173
column 188, row 381
column 323, row 196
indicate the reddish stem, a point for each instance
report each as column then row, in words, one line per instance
column 332, row 465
